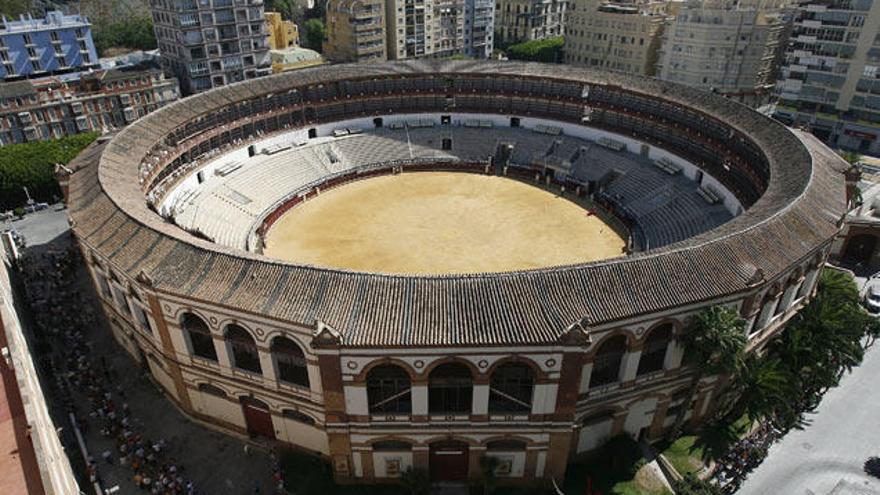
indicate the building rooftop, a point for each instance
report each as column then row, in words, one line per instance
column 798, row 212
column 53, row 20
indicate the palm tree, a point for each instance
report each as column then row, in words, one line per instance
column 822, row 342
column 714, row 342
column 760, row 387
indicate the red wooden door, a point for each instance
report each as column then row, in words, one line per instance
column 448, row 461
column 258, row 419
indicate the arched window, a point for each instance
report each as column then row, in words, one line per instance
column 606, row 364
column 510, row 389
column 200, row 339
column 211, row 389
column 244, row 350
column 450, row 389
column 298, row 416
column 290, row 362
column 388, row 390
column 597, row 418
column 654, row 352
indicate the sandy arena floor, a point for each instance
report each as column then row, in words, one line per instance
column 440, row 223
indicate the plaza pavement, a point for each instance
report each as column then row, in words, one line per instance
column 827, row 456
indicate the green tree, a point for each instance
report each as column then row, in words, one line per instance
column 760, row 386
column 714, row 342
column 135, row 33
column 547, row 50
column 290, row 10
column 822, row 342
column 32, row 165
column 691, row 485
column 313, row 34
column 14, row 8
column 851, row 157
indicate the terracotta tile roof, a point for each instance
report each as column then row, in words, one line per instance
column 797, row 214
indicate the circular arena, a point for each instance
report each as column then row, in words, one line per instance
column 422, row 263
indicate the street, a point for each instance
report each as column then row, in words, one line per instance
column 827, row 456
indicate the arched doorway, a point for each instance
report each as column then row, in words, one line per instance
column 860, row 248
column 448, row 461
column 257, row 418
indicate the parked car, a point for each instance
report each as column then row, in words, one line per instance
column 872, row 299
column 36, row 207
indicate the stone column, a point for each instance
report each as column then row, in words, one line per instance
column 419, row 400
column 788, row 296
column 586, row 373
column 222, row 351
column 659, row 418
column 267, row 365
column 766, row 314
column 810, row 280
column 480, row 401
column 629, row 366
column 674, row 354
column 170, row 355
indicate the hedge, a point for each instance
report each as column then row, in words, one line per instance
column 32, row 165
column 547, row 50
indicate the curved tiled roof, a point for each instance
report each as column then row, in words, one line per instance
column 797, row 214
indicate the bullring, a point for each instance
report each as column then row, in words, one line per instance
column 379, row 372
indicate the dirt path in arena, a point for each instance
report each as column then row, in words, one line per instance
column 440, row 222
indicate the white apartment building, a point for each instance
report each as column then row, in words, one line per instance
column 438, row 28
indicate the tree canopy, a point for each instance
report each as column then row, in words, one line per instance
column 313, row 34
column 547, row 50
column 32, row 165
column 135, row 33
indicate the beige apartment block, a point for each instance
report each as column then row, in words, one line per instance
column 830, row 81
column 282, row 34
column 623, row 37
column 355, row 30
column 526, row 20
column 732, row 48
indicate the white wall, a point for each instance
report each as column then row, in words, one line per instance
column 217, row 407
column 297, row 433
column 640, row 415
column 163, row 378
column 594, row 435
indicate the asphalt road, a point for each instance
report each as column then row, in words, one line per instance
column 828, row 455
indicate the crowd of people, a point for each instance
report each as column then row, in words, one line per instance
column 88, row 387
column 744, row 456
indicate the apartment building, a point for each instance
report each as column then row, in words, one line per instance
column 401, row 29
column 210, row 43
column 729, row 47
column 101, row 100
column 55, row 44
column 355, row 30
column 526, row 20
column 616, row 36
column 831, row 76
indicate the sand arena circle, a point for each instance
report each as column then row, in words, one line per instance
column 433, row 223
